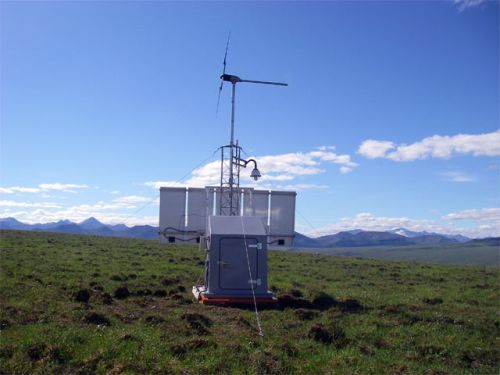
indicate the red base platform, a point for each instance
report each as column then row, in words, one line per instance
column 231, row 300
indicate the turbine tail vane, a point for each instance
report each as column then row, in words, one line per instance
column 265, row 82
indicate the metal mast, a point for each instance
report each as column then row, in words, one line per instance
column 231, row 161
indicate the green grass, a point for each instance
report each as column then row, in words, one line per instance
column 376, row 317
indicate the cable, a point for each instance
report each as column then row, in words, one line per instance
column 317, row 232
column 197, row 166
column 263, row 175
column 165, row 231
column 176, row 182
column 261, row 333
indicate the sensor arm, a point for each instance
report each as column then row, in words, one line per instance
column 251, row 160
column 255, row 172
column 243, row 163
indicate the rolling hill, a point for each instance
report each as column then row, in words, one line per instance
column 80, row 304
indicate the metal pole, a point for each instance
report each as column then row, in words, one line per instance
column 232, row 113
column 221, row 189
column 231, row 175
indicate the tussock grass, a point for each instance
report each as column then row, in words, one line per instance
column 85, row 305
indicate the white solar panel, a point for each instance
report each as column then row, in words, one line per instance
column 247, row 202
column 260, row 201
column 282, row 220
column 196, row 209
column 172, row 211
column 188, row 221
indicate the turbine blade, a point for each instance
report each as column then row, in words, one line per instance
column 218, row 99
column 223, row 72
column 225, row 54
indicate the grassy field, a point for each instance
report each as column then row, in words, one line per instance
column 84, row 305
column 460, row 254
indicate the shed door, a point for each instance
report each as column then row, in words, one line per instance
column 233, row 266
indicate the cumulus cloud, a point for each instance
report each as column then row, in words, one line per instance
column 5, row 203
column 373, row 149
column 158, row 184
column 456, row 176
column 58, row 186
column 294, row 187
column 131, row 200
column 476, row 214
column 119, row 210
column 343, row 159
column 326, row 148
column 436, row 146
column 18, row 189
column 43, row 188
column 370, row 222
column 274, row 168
column 300, row 187
column 490, row 218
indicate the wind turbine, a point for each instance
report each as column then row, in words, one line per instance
column 230, row 180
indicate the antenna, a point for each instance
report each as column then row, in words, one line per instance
column 231, row 160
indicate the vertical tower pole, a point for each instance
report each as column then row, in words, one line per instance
column 231, row 172
column 233, row 96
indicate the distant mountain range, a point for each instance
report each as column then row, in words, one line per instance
column 396, row 237
column 89, row 226
column 352, row 238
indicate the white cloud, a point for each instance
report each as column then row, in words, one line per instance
column 370, row 222
column 456, row 176
column 301, row 187
column 372, row 149
column 42, row 188
column 476, row 214
column 436, row 146
column 4, row 203
column 18, row 189
column 63, row 187
column 294, row 187
column 131, row 200
column 280, row 177
column 344, row 159
column 326, row 148
column 464, row 4
column 158, row 184
column 367, row 221
column 116, row 211
column 274, row 169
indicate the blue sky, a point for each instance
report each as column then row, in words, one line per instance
column 391, row 117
